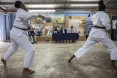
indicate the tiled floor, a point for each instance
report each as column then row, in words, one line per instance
column 51, row 62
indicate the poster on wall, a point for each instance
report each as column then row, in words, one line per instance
column 58, row 18
column 49, row 19
column 75, row 22
column 54, row 18
column 114, row 24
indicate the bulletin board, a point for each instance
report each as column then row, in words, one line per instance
column 78, row 22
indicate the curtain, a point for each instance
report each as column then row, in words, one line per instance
column 2, row 27
column 6, row 23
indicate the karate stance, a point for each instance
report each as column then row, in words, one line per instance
column 101, row 22
column 19, row 38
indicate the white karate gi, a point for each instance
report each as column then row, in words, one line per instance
column 19, row 37
column 99, row 35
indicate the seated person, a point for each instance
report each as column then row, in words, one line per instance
column 63, row 30
column 36, row 32
column 71, row 30
column 32, row 34
column 55, row 30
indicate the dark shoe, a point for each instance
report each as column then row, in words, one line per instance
column 28, row 71
column 3, row 61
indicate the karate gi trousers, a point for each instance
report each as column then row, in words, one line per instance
column 24, row 43
column 99, row 36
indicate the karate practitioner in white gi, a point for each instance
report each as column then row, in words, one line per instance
column 19, row 38
column 101, row 22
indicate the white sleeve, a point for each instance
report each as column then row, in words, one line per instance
column 105, row 21
column 28, row 15
column 91, row 17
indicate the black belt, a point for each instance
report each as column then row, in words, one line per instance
column 99, row 27
column 21, row 28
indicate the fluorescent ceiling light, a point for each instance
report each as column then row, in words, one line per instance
column 41, row 10
column 84, row 5
column 73, row 11
column 43, row 5
column 84, row 0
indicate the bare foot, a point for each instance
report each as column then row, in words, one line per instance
column 69, row 61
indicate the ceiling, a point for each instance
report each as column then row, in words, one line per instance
column 81, row 5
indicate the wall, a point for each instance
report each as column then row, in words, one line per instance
column 86, row 22
column 114, row 28
column 2, row 27
column 6, row 23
